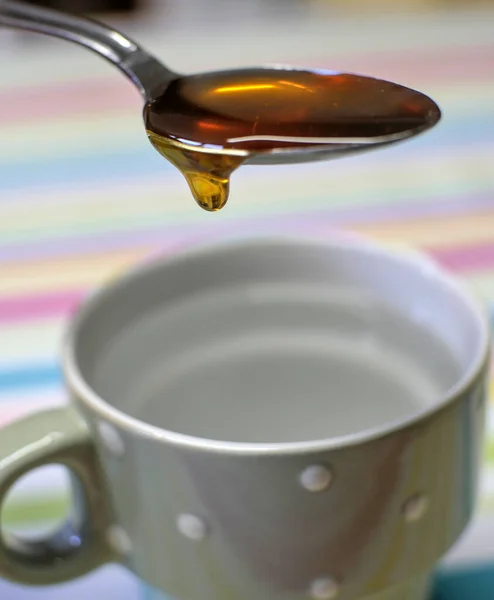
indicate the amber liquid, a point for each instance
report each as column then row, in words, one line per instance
column 250, row 111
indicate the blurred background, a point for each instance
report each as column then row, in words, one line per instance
column 83, row 195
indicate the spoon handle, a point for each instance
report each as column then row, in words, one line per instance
column 148, row 74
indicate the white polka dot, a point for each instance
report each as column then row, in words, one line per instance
column 111, row 438
column 191, row 526
column 315, row 478
column 119, row 540
column 415, row 507
column 324, row 588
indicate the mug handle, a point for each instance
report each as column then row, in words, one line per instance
column 56, row 436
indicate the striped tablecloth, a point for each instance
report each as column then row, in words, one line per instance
column 83, row 195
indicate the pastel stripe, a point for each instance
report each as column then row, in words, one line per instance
column 443, row 229
column 29, row 376
column 24, row 278
column 40, row 306
column 31, row 340
column 109, row 219
column 433, row 225
column 467, row 258
column 86, row 97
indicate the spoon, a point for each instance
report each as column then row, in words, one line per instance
column 208, row 124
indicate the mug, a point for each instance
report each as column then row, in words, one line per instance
column 271, row 419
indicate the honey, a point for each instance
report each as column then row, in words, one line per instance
column 209, row 124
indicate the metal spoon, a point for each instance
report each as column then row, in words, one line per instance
column 152, row 79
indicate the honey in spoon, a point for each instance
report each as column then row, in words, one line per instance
column 208, row 124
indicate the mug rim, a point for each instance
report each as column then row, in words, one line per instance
column 412, row 257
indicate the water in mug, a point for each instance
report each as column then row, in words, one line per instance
column 272, row 364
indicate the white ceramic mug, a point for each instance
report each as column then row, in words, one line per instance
column 272, row 419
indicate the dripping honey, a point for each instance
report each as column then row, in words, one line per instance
column 207, row 125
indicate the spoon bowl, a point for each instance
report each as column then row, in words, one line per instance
column 277, row 115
